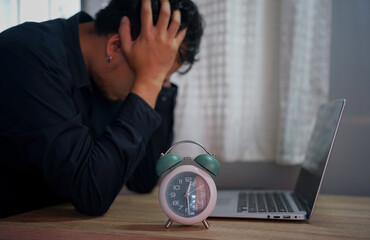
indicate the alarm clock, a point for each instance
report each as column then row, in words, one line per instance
column 187, row 193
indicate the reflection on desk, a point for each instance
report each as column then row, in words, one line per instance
column 140, row 217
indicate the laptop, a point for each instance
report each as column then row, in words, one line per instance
column 297, row 204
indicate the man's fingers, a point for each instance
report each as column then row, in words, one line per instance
column 146, row 14
column 175, row 23
column 125, row 34
column 180, row 36
column 164, row 15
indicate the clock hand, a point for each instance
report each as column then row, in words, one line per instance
column 187, row 200
column 187, row 194
column 196, row 189
column 188, row 191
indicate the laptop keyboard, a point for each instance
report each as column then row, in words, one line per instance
column 263, row 202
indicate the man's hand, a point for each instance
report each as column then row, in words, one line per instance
column 153, row 53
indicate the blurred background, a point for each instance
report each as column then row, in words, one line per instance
column 264, row 68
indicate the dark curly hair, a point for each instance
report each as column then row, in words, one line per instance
column 108, row 21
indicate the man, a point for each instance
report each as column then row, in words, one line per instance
column 87, row 106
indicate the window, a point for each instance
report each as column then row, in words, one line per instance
column 14, row 12
column 262, row 74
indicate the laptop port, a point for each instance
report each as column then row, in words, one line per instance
column 276, row 216
column 286, row 217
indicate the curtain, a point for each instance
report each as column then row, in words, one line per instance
column 262, row 73
column 13, row 12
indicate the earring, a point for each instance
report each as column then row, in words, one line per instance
column 109, row 58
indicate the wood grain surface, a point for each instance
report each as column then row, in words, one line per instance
column 140, row 217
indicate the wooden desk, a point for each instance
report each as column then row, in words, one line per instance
column 140, row 217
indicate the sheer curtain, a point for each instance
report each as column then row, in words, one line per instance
column 13, row 12
column 263, row 72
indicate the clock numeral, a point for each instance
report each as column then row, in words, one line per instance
column 176, row 187
column 188, row 179
column 180, row 207
column 175, row 202
column 173, row 194
column 180, row 181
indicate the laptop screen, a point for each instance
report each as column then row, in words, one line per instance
column 318, row 153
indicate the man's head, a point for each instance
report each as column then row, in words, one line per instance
column 108, row 21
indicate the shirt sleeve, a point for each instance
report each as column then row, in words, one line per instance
column 41, row 122
column 145, row 178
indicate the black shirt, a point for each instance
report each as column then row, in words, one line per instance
column 60, row 138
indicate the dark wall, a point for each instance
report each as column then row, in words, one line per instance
column 349, row 169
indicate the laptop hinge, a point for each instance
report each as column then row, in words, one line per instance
column 302, row 204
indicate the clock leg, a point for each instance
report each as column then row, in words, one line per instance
column 169, row 223
column 205, row 224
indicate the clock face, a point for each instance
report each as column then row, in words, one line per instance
column 187, row 194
